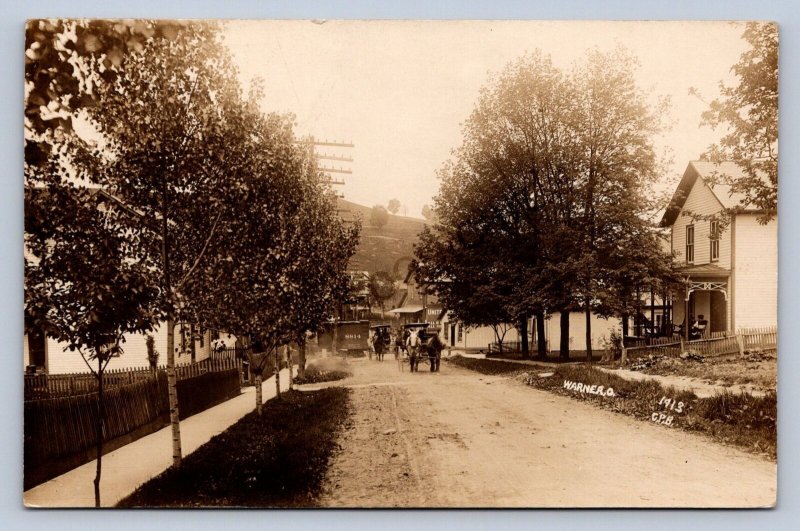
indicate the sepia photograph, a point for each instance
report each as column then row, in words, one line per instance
column 400, row 264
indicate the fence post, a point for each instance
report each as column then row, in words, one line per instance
column 624, row 358
column 740, row 343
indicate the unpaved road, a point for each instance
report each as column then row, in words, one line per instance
column 461, row 439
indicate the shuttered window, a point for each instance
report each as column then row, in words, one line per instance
column 690, row 244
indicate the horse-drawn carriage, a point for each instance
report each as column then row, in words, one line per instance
column 419, row 344
column 380, row 340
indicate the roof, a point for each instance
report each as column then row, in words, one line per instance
column 707, row 270
column 708, row 171
column 407, row 309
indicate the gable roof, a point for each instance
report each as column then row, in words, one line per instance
column 707, row 171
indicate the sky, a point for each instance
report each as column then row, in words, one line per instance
column 401, row 90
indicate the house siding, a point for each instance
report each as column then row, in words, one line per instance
column 756, row 272
column 601, row 331
column 701, row 201
column 134, row 352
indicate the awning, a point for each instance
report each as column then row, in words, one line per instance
column 407, row 309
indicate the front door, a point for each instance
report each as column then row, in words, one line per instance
column 452, row 335
column 719, row 313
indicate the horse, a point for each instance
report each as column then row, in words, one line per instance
column 413, row 348
column 379, row 344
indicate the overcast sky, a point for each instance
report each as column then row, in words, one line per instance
column 400, row 90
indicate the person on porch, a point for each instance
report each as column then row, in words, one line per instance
column 699, row 328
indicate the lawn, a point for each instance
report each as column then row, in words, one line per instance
column 739, row 419
column 759, row 370
column 324, row 370
column 277, row 459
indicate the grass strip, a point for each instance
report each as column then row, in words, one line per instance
column 735, row 418
column 316, row 374
column 277, row 459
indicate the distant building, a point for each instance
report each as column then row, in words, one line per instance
column 730, row 272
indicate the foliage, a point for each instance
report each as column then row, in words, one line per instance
column 394, row 206
column 152, row 353
column 749, row 113
column 381, row 287
column 427, row 212
column 277, row 459
column 544, row 206
column 379, row 216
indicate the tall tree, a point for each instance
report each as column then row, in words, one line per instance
column 82, row 286
column 394, row 206
column 748, row 112
column 615, row 127
column 165, row 124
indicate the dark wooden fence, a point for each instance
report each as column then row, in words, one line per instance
column 60, row 433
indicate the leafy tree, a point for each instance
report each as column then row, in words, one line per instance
column 394, row 206
column 65, row 59
column 166, row 125
column 748, row 112
column 381, row 288
column 81, row 287
column 427, row 212
column 552, row 170
column 379, row 216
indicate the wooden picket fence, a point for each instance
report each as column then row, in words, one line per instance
column 714, row 346
column 764, row 338
column 718, row 344
column 41, row 386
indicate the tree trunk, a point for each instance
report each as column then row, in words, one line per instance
column 524, row 333
column 259, row 395
column 277, row 373
column 99, row 439
column 563, row 351
column 192, row 346
column 289, row 363
column 301, row 362
column 588, row 332
column 172, row 392
column 625, row 326
column 541, row 341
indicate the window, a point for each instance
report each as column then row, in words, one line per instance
column 714, row 241
column 460, row 332
column 690, row 244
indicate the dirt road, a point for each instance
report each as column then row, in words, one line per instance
column 461, row 439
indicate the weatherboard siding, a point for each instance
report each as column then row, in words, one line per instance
column 700, row 201
column 756, row 272
column 134, row 354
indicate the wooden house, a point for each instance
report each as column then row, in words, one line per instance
column 729, row 263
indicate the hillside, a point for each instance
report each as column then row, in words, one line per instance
column 389, row 248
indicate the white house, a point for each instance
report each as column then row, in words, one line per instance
column 730, row 269
column 50, row 356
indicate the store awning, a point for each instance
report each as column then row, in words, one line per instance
column 407, row 309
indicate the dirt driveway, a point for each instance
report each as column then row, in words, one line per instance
column 461, row 439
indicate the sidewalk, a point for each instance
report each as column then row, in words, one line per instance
column 128, row 467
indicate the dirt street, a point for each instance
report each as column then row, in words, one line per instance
column 461, row 439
